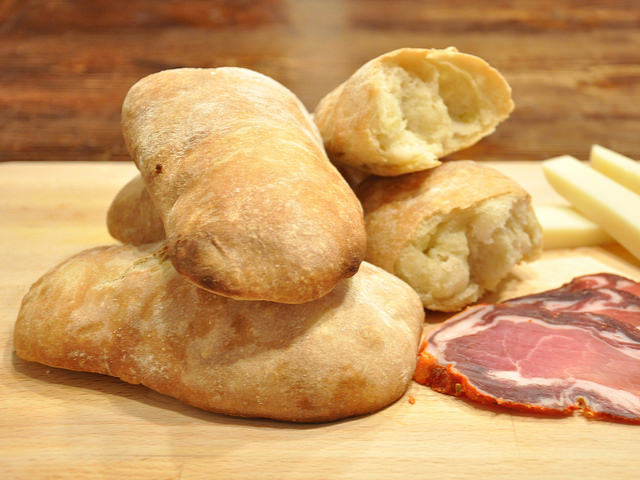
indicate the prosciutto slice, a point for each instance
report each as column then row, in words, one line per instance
column 573, row 348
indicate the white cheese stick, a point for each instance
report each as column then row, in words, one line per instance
column 623, row 170
column 564, row 227
column 615, row 208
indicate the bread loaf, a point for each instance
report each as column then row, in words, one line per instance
column 132, row 217
column 404, row 110
column 452, row 232
column 251, row 205
column 124, row 311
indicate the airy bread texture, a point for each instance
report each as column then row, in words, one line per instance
column 250, row 203
column 452, row 232
column 403, row 110
column 132, row 217
column 124, row 311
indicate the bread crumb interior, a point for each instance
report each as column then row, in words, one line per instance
column 426, row 108
column 457, row 257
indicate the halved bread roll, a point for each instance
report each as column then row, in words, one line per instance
column 452, row 232
column 250, row 203
column 124, row 311
column 403, row 110
column 132, row 217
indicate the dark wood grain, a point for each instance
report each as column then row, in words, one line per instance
column 65, row 65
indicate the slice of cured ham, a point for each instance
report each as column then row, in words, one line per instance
column 573, row 348
column 604, row 293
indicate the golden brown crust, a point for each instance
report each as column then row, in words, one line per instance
column 459, row 215
column 124, row 311
column 132, row 217
column 404, row 110
column 251, row 205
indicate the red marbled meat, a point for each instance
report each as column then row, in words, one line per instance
column 604, row 293
column 575, row 347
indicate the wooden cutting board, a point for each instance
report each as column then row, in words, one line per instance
column 61, row 424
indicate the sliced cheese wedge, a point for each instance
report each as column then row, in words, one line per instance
column 615, row 208
column 564, row 227
column 616, row 166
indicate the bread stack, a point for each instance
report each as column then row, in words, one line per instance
column 452, row 230
column 257, row 303
column 240, row 286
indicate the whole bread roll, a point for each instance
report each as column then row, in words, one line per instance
column 132, row 217
column 403, row 110
column 124, row 311
column 251, row 206
column 452, row 232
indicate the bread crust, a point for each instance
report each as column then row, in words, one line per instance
column 124, row 311
column 404, row 213
column 366, row 121
column 251, row 205
column 132, row 217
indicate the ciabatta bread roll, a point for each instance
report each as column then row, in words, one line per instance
column 404, row 110
column 250, row 203
column 132, row 217
column 124, row 311
column 452, row 232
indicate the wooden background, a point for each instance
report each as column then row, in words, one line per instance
column 66, row 65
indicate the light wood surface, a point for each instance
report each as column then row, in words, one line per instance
column 61, row 424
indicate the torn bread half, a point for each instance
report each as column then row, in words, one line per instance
column 404, row 110
column 452, row 232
